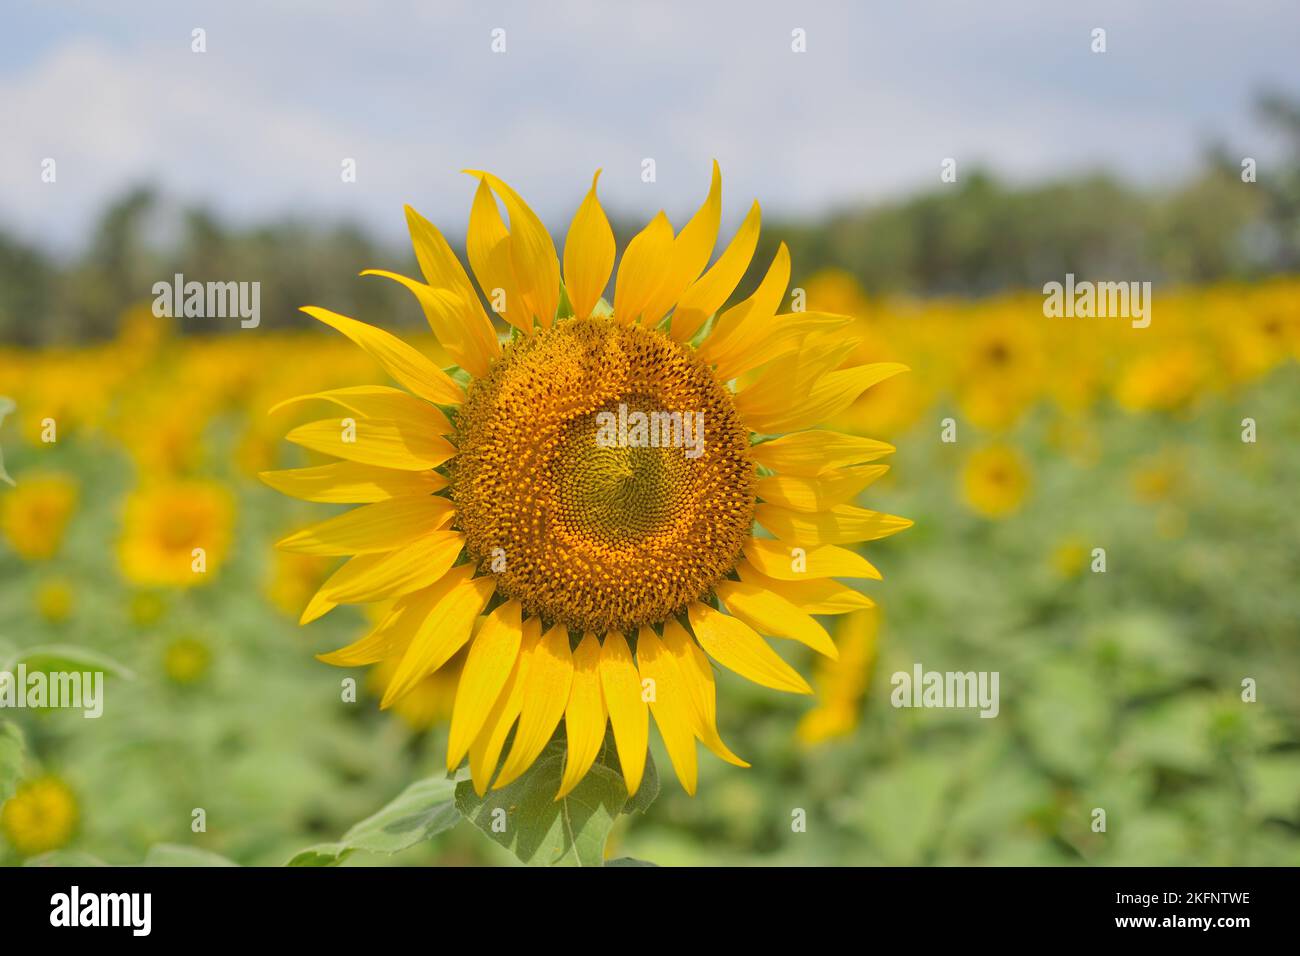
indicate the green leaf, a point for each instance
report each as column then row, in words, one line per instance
column 422, row 811
column 64, row 858
column 1275, row 786
column 322, row 854
column 526, row 819
column 6, row 406
column 564, row 308
column 645, row 794
column 174, row 854
column 629, row 861
column 65, row 657
column 12, row 752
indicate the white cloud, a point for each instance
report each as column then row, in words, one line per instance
column 259, row 124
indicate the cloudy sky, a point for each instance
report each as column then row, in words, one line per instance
column 259, row 125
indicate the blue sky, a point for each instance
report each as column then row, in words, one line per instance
column 259, row 124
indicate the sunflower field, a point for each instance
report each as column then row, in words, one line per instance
column 1102, row 515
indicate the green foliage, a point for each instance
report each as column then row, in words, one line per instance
column 64, row 657
column 12, row 754
column 420, row 812
column 6, row 407
column 172, row 854
column 525, row 817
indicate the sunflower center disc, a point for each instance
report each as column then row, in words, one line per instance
column 602, row 475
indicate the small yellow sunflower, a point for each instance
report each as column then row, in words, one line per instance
column 55, row 599
column 41, row 816
column 176, row 533
column 592, row 486
column 995, row 481
column 186, row 660
column 35, row 514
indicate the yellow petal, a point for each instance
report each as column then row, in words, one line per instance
column 588, row 254
column 729, row 335
column 455, row 322
column 409, row 568
column 584, row 716
column 376, row 441
column 842, row 524
column 707, row 294
column 642, row 269
column 817, row 494
column 380, row 401
column 382, row 526
column 769, row 613
column 446, row 314
column 690, row 253
column 490, row 661
column 406, row 365
column 814, row 596
column 789, row 561
column 488, row 248
column 320, row 604
column 829, row 395
column 485, row 752
column 532, row 254
column 350, row 483
column 763, row 338
column 734, row 645
column 769, row 392
column 670, row 702
column 449, row 300
column 546, row 693
column 628, row 714
column 444, row 630
column 392, row 636
column 697, row 674
column 813, row 453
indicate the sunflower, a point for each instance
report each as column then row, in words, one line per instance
column 34, row 516
column 1001, row 371
column 186, row 660
column 41, row 816
column 842, row 684
column 176, row 533
column 995, row 481
column 611, row 570
column 55, row 600
column 430, row 701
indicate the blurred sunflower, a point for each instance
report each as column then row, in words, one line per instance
column 429, row 702
column 1166, row 380
column 186, row 661
column 55, row 599
column 41, row 816
column 610, row 570
column 35, row 514
column 1001, row 370
column 166, row 525
column 294, row 579
column 1069, row 558
column 842, row 684
column 995, row 481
